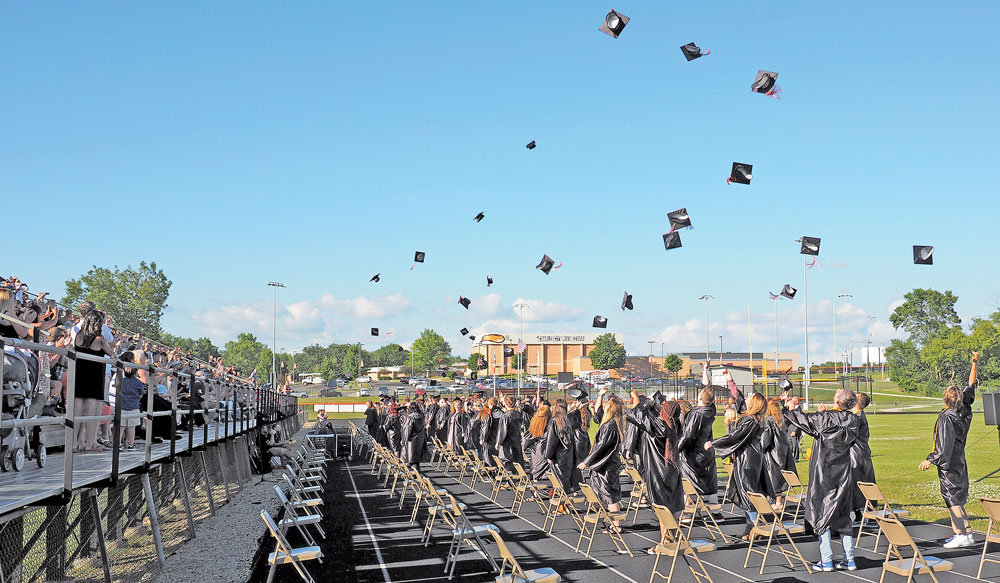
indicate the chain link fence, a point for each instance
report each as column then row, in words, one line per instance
column 123, row 531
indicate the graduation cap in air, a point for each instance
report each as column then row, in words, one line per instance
column 788, row 291
column 577, row 393
column 923, row 255
column 600, row 322
column 479, row 217
column 374, row 331
column 418, row 257
column 546, row 264
column 530, row 145
column 375, row 278
column 671, row 240
column 679, row 219
column 692, row 52
column 464, row 301
column 489, row 281
column 658, row 398
column 741, row 173
column 472, row 338
column 508, row 351
column 766, row 83
column 785, row 384
column 810, row 245
column 614, row 23
column 627, row 301
column 464, row 331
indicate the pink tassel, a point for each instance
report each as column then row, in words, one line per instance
column 729, row 181
column 412, row 266
column 775, row 93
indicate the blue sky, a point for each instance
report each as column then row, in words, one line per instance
column 318, row 143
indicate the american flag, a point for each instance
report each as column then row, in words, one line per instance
column 521, row 346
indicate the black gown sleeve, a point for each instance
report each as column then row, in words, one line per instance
column 606, row 444
column 692, row 428
column 743, row 430
column 945, row 435
column 551, row 442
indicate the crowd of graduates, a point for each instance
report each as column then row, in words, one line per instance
column 667, row 440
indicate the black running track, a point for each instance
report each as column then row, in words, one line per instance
column 359, row 513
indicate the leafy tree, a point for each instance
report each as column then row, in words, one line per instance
column 135, row 298
column 430, row 351
column 311, row 359
column 946, row 353
column 390, row 355
column 673, row 364
column 247, row 353
column 607, row 353
column 925, row 313
column 351, row 362
column 906, row 368
column 202, row 348
column 513, row 364
column 476, row 362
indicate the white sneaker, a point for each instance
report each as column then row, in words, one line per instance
column 959, row 540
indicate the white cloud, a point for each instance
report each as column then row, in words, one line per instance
column 540, row 311
column 367, row 307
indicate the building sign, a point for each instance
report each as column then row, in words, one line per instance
column 562, row 338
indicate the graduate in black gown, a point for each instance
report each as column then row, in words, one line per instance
column 508, row 440
column 371, row 419
column 392, row 429
column 831, row 493
column 743, row 446
column 604, row 459
column 430, row 411
column 441, row 420
column 414, row 435
column 488, row 430
column 862, row 469
column 474, row 436
column 774, row 445
column 950, row 434
column 560, row 447
column 458, row 424
column 534, row 443
column 659, row 431
column 697, row 464
column 579, row 420
column 383, row 414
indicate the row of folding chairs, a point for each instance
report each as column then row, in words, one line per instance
column 299, row 494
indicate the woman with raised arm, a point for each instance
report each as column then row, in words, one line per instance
column 560, row 447
column 698, row 464
column 604, row 459
column 414, row 436
column 659, row 428
column 509, row 434
column 534, row 443
column 774, row 444
column 950, row 434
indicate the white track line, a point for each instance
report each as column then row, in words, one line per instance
column 371, row 534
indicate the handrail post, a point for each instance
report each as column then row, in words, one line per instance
column 3, row 363
column 70, row 440
column 116, row 424
column 190, row 419
column 150, row 396
column 172, row 380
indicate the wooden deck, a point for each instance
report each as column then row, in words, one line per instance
column 33, row 484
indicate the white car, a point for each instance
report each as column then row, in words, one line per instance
column 454, row 388
column 364, row 379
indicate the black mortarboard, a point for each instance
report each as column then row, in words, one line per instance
column 785, row 384
column 374, row 331
column 419, row 256
column 489, row 281
column 764, row 83
column 923, row 255
column 614, row 23
column 679, row 219
column 810, row 245
column 788, row 291
column 600, row 322
column 399, row 348
column 741, row 173
column 671, row 240
column 375, row 278
column 480, row 217
column 472, row 337
column 545, row 264
column 530, row 145
column 627, row 301
column 464, row 301
column 464, row 331
column 658, row 398
column 692, row 52
column 578, row 394
column 508, row 351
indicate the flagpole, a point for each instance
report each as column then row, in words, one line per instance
column 750, row 334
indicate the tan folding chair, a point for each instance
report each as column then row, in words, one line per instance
column 695, row 508
column 675, row 543
column 524, row 486
column 284, row 553
column 502, row 479
column 768, row 524
column 468, row 533
column 561, row 503
column 796, row 494
column 876, row 506
column 484, row 472
column 598, row 515
column 297, row 498
column 438, row 507
column 464, row 463
column 917, row 563
column 729, row 483
column 638, row 493
column 437, row 456
column 517, row 574
column 293, row 518
column 992, row 508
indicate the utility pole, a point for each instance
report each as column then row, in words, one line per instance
column 844, row 297
column 520, row 311
column 651, row 342
column 706, row 297
column 868, row 370
column 274, row 336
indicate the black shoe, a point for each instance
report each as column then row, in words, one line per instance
column 157, row 440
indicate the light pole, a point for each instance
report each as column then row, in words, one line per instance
column 274, row 336
column 651, row 343
column 664, row 361
column 845, row 297
column 805, row 298
column 775, row 299
column 520, row 311
column 868, row 367
column 720, row 348
column 706, row 297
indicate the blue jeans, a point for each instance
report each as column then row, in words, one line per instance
column 826, row 547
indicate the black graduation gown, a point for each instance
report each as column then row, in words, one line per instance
column 371, row 419
column 414, row 437
column 488, row 438
column 774, row 444
column 862, row 469
column 663, row 480
column 429, row 412
column 697, row 464
column 458, row 425
column 380, row 436
column 535, row 448
column 581, row 441
column 393, row 432
column 605, row 464
column 473, row 436
column 441, row 423
column 630, row 443
column 743, row 445
column 830, row 497
column 509, row 439
column 560, row 451
column 950, row 434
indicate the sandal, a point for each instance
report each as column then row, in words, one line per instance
column 651, row 551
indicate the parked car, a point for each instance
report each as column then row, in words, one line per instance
column 400, row 391
column 299, row 394
column 365, row 393
column 454, row 388
column 383, row 391
column 330, row 393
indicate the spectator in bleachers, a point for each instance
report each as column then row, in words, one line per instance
column 132, row 390
column 90, row 378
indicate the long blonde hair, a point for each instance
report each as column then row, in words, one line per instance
column 774, row 410
column 614, row 410
column 756, row 407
